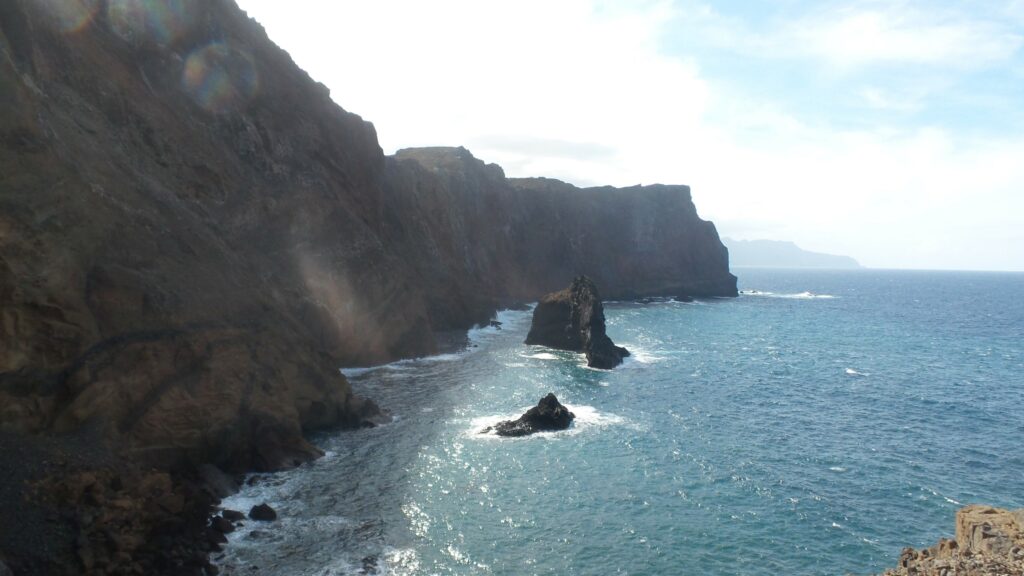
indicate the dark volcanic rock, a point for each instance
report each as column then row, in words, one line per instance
column 233, row 515
column 548, row 415
column 573, row 320
column 263, row 513
column 222, row 525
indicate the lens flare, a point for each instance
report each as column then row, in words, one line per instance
column 220, row 78
column 72, row 15
column 159, row 21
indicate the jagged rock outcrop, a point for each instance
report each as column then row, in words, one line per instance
column 194, row 237
column 989, row 542
column 548, row 415
column 573, row 319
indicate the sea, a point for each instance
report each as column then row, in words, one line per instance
column 816, row 424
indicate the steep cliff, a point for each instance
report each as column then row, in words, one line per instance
column 475, row 237
column 194, row 236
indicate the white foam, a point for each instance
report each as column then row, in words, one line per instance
column 541, row 356
column 852, row 372
column 806, row 295
column 587, row 418
column 507, row 319
column 837, row 469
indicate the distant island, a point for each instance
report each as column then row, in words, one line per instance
column 779, row 254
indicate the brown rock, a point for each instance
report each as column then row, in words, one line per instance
column 987, row 540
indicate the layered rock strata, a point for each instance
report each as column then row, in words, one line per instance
column 573, row 319
column 989, row 542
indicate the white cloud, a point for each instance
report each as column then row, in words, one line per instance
column 856, row 36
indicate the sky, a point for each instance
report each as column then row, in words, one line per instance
column 892, row 131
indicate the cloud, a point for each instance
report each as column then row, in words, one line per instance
column 858, row 35
column 854, row 34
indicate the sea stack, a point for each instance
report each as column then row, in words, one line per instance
column 573, row 319
column 547, row 416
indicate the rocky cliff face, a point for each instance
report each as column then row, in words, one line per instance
column 989, row 542
column 194, row 236
column 517, row 239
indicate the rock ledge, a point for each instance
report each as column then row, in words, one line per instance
column 989, row 542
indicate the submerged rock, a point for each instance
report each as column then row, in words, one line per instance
column 573, row 319
column 548, row 415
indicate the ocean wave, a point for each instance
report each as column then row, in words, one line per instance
column 806, row 295
column 507, row 319
column 401, row 365
column 475, row 336
column 852, row 372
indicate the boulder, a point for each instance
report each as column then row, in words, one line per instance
column 222, row 525
column 988, row 530
column 233, row 515
column 263, row 513
column 989, row 541
column 573, row 319
column 547, row 416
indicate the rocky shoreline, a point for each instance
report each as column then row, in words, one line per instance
column 989, row 542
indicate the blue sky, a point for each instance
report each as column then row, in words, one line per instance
column 889, row 131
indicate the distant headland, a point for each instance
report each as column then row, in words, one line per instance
column 781, row 254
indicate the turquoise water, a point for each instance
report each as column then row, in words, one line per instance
column 815, row 427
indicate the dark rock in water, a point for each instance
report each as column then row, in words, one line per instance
column 548, row 415
column 573, row 319
column 4, row 570
column 222, row 525
column 684, row 298
column 263, row 513
column 233, row 515
column 495, row 324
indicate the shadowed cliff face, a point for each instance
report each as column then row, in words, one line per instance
column 193, row 236
column 517, row 239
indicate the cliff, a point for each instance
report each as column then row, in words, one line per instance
column 194, row 237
